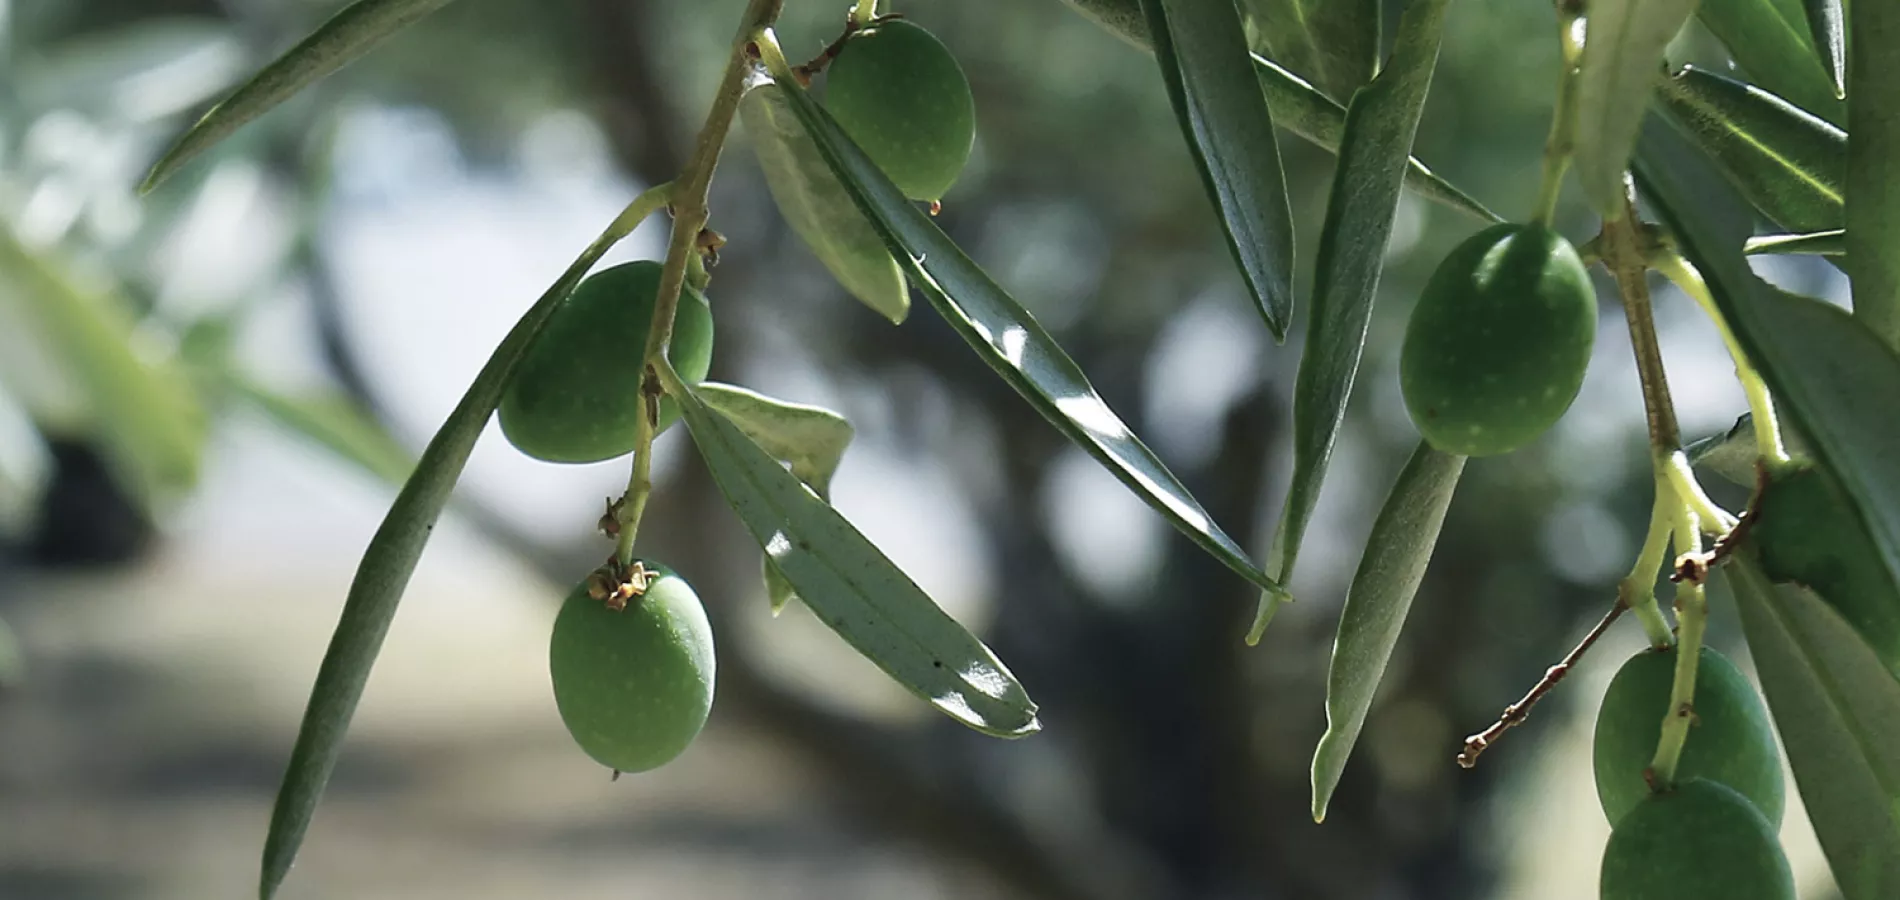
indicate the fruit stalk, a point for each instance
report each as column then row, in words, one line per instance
column 690, row 213
column 1638, row 589
column 1692, row 617
column 1767, row 431
column 1563, row 115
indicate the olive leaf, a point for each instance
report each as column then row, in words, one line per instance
column 816, row 206
column 1012, row 342
column 1396, row 554
column 1380, row 125
column 1873, row 168
column 1838, row 711
column 1622, row 60
column 389, row 561
column 853, row 587
column 1789, row 164
column 338, row 42
column 1731, row 454
column 1770, row 40
column 1334, row 43
column 1202, row 48
column 335, row 422
column 1828, row 27
column 811, row 439
column 1817, row 243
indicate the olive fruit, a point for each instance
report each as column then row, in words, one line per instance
column 1700, row 841
column 899, row 94
column 1730, row 741
column 576, row 394
column 1497, row 346
column 1808, row 533
column 633, row 675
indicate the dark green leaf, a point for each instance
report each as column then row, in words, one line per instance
column 1789, row 164
column 1202, row 49
column 1818, row 243
column 1838, row 711
column 337, row 423
column 1828, row 28
column 385, row 569
column 1769, row 39
column 852, row 587
column 1873, row 167
column 1007, row 337
column 1622, row 61
column 1831, row 377
column 348, row 35
column 1394, row 562
column 1380, row 125
column 1334, row 43
column 818, row 209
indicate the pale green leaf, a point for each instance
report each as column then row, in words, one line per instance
column 1873, row 167
column 336, row 423
column 1622, row 60
column 1827, row 26
column 1334, row 43
column 1770, row 40
column 1789, row 164
column 1817, row 243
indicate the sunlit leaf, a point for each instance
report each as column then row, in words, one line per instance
column 1828, row 29
column 1380, row 125
column 1202, row 48
column 1622, row 60
column 1873, row 167
column 338, row 42
column 1390, row 570
column 1817, row 243
column 852, row 587
column 1012, row 342
column 1335, row 43
column 1788, row 163
column 1770, row 40
column 1838, row 712
column 817, row 208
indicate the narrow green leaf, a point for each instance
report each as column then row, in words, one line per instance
column 1380, row 125
column 818, row 209
column 387, row 564
column 1838, row 711
column 1873, row 167
column 1121, row 18
column 1731, row 454
column 1334, row 43
column 852, row 587
column 1770, row 40
column 338, row 42
column 143, row 404
column 336, row 423
column 1818, row 243
column 1789, row 164
column 1390, row 570
column 1014, row 344
column 1622, row 61
column 1832, row 377
column 1202, row 48
column 1828, row 28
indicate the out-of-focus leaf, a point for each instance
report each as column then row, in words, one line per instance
column 153, row 68
column 1334, row 43
column 852, row 587
column 1394, row 562
column 818, row 209
column 1838, row 711
column 1380, row 125
column 1622, row 61
column 1831, row 377
column 1873, row 167
column 1121, row 18
column 12, row 662
column 1818, row 243
column 1202, row 48
column 1770, row 40
column 390, row 560
column 1828, row 29
column 336, row 423
column 1014, row 344
column 141, row 402
column 338, row 42
column 1789, row 164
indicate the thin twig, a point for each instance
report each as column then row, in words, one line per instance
column 1516, row 713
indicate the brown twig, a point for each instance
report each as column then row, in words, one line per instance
column 1695, row 567
column 810, row 69
column 1516, row 713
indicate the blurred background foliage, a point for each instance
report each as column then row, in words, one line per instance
column 206, row 394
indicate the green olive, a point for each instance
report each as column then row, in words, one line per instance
column 900, row 95
column 576, row 394
column 1808, row 534
column 1730, row 740
column 1701, row 841
column 1497, row 346
column 634, row 684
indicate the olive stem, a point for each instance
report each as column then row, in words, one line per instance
column 1563, row 117
column 1638, row 589
column 1622, row 253
column 1760, row 404
column 633, row 504
column 1692, row 616
column 1714, row 519
column 863, row 12
column 689, row 216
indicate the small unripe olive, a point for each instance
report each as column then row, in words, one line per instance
column 1700, row 841
column 1497, row 346
column 576, row 394
column 1730, row 740
column 634, row 683
column 900, row 95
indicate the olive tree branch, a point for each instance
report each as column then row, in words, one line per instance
column 1516, row 713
